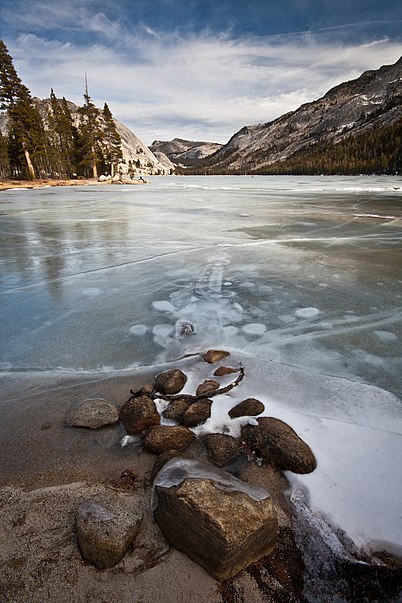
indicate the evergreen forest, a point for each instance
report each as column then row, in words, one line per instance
column 44, row 139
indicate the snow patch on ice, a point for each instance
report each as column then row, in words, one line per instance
column 138, row 330
column 385, row 336
column 163, row 306
column 254, row 328
column 307, row 312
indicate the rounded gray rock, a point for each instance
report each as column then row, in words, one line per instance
column 92, row 413
column 105, row 529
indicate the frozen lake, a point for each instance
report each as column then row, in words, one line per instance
column 300, row 277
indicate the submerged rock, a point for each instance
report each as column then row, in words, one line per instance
column 225, row 370
column 214, row 519
column 138, row 414
column 221, row 447
column 170, row 382
column 196, row 413
column 161, row 438
column 277, row 443
column 105, row 529
column 214, row 355
column 250, row 407
column 92, row 413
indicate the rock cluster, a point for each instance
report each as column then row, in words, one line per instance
column 221, row 527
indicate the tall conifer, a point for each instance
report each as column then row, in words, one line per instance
column 26, row 136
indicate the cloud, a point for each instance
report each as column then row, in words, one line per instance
column 201, row 86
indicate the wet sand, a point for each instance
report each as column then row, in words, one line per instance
column 41, row 183
column 46, row 469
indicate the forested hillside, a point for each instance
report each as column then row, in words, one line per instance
column 55, row 138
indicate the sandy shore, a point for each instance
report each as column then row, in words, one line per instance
column 48, row 468
column 41, row 183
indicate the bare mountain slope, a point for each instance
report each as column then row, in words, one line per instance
column 372, row 101
column 185, row 152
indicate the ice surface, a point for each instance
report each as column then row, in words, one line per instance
column 175, row 471
column 300, row 278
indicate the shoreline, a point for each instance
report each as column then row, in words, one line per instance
column 46, row 182
column 47, row 468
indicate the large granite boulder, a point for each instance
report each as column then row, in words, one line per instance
column 220, row 522
column 277, row 443
column 138, row 414
column 92, row 413
column 170, row 382
column 250, row 407
column 160, row 438
column 105, row 529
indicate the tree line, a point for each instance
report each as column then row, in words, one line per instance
column 45, row 139
column 374, row 151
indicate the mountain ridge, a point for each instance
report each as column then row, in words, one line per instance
column 371, row 102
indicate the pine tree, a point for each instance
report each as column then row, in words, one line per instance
column 26, row 134
column 4, row 161
column 90, row 136
column 63, row 135
column 112, row 142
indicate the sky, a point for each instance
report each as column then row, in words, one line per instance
column 197, row 69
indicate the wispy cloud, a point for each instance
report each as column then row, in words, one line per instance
column 164, row 84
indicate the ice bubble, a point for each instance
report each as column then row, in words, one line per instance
column 163, row 306
column 265, row 288
column 385, row 336
column 307, row 312
column 138, row 330
column 254, row 328
column 91, row 291
column 247, row 285
column 286, row 318
column 162, row 330
column 230, row 330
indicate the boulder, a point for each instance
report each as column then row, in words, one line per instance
column 217, row 520
column 170, row 382
column 92, row 413
column 105, row 529
column 214, row 355
column 250, row 407
column 225, row 370
column 196, row 413
column 277, row 443
column 138, row 414
column 221, row 447
column 175, row 409
column 160, row 438
column 206, row 387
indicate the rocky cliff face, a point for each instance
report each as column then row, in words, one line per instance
column 371, row 101
column 185, row 152
column 140, row 155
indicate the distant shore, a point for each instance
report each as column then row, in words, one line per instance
column 42, row 183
